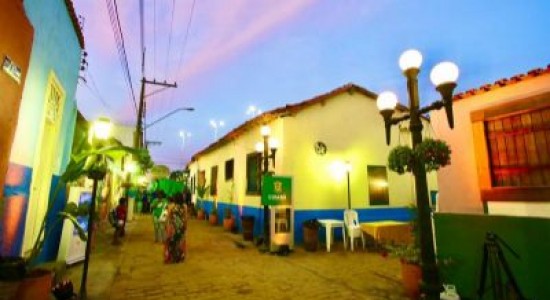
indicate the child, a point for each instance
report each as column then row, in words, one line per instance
column 121, row 212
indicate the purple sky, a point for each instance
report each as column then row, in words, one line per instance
column 269, row 53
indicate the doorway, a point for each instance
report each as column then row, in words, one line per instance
column 47, row 155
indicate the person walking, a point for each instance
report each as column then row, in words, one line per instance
column 158, row 206
column 121, row 212
column 175, row 248
column 188, row 202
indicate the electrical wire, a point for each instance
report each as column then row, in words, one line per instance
column 186, row 36
column 142, row 38
column 95, row 90
column 119, row 39
column 154, row 37
column 184, row 44
column 170, row 37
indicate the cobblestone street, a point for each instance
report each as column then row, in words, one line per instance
column 215, row 268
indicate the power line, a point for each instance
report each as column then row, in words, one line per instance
column 180, row 60
column 142, row 35
column 170, row 37
column 119, row 39
column 95, row 90
column 154, row 37
column 186, row 35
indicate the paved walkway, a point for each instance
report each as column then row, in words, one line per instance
column 215, row 268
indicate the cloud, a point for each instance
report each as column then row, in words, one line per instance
column 235, row 28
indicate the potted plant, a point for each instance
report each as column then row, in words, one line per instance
column 410, row 258
column 199, row 210
column 311, row 234
column 434, row 154
column 411, row 273
column 202, row 192
column 400, row 159
column 213, row 217
column 228, row 218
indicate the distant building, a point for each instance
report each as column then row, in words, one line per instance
column 500, row 162
column 45, row 124
column 316, row 137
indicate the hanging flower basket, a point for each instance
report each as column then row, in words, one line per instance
column 401, row 159
column 433, row 153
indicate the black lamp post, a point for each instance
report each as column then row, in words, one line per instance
column 444, row 76
column 101, row 129
column 263, row 148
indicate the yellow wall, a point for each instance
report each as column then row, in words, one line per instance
column 237, row 150
column 353, row 130
column 462, row 174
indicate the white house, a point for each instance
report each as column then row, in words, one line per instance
column 501, row 148
column 316, row 137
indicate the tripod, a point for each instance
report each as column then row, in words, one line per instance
column 494, row 260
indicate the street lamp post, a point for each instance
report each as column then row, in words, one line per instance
column 169, row 114
column 184, row 135
column 216, row 124
column 262, row 148
column 101, row 130
column 444, row 76
column 348, row 169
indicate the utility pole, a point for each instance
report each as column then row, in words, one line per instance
column 138, row 136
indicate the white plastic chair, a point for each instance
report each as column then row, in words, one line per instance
column 353, row 230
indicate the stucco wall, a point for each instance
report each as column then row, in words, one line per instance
column 55, row 55
column 236, row 150
column 462, row 174
column 16, row 42
column 352, row 129
column 56, row 49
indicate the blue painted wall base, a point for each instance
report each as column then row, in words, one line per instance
column 365, row 215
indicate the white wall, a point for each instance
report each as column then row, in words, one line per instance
column 520, row 209
column 352, row 129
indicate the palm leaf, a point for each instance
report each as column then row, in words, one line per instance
column 81, row 233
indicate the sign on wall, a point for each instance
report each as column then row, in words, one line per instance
column 276, row 190
column 11, row 69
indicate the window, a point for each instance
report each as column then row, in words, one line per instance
column 201, row 180
column 53, row 102
column 252, row 173
column 519, row 149
column 214, row 181
column 512, row 150
column 378, row 185
column 229, row 169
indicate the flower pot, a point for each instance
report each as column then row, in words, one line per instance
column 311, row 237
column 35, row 286
column 411, row 274
column 247, row 223
column 12, row 268
column 200, row 214
column 213, row 219
column 229, row 223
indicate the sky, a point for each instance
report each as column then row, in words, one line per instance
column 227, row 55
